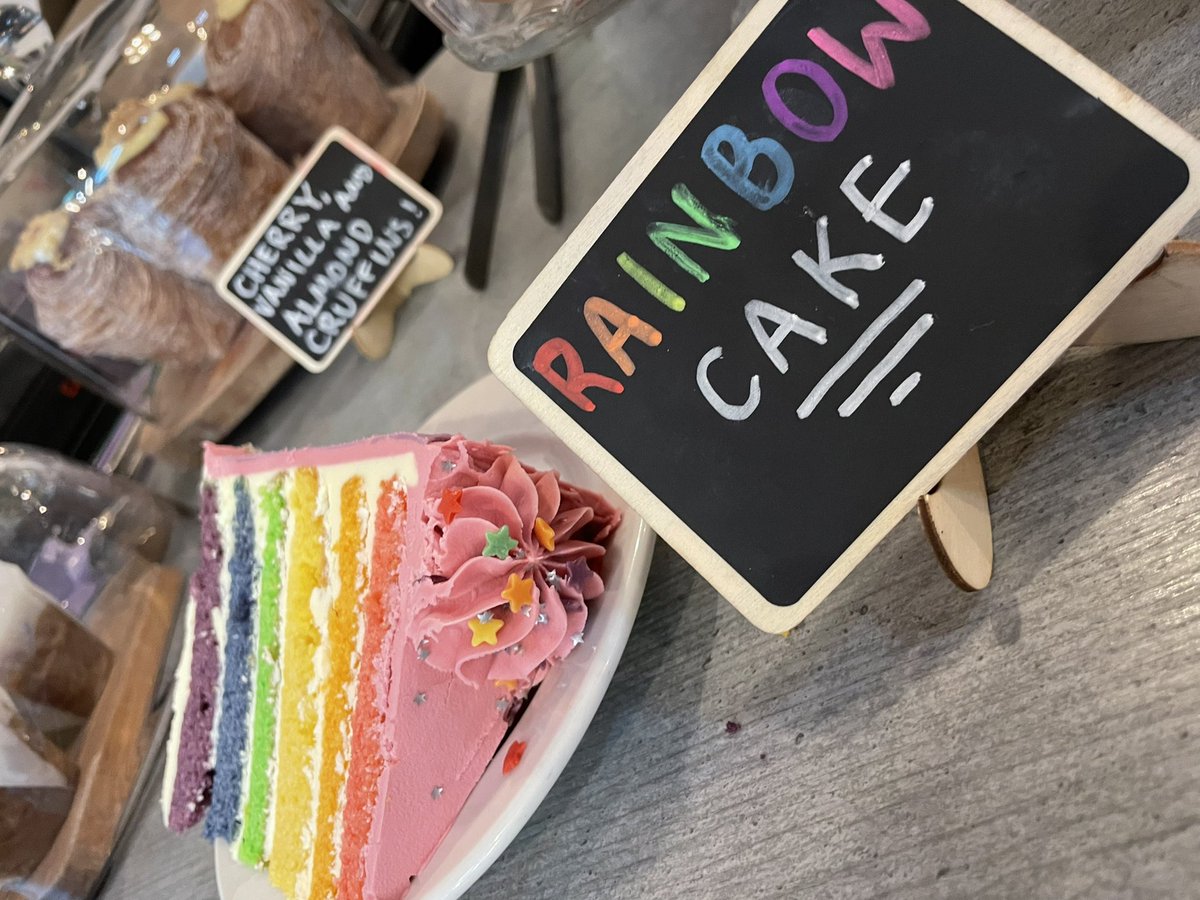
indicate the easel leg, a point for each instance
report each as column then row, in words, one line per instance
column 1162, row 305
column 373, row 338
column 958, row 523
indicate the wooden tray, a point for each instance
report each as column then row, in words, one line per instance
column 134, row 616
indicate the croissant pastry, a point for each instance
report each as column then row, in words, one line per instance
column 96, row 296
column 289, row 70
column 185, row 180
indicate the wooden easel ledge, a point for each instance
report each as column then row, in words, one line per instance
column 1163, row 304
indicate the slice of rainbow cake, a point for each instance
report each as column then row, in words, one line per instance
column 365, row 622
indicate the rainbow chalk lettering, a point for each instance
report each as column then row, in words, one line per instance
column 819, row 76
column 760, row 171
column 876, row 71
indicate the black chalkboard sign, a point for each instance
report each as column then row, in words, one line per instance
column 324, row 253
column 858, row 238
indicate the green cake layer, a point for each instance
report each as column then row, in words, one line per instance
column 251, row 847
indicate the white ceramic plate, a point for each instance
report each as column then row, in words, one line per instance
column 553, row 723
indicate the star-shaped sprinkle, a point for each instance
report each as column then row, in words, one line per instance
column 423, row 649
column 514, row 650
column 450, row 504
column 436, row 793
column 448, row 465
column 578, row 571
column 512, row 758
column 498, row 543
column 419, row 699
column 544, row 533
column 502, row 704
column 484, row 632
column 577, row 639
column 543, row 619
column 508, row 685
column 518, row 593
column 485, row 616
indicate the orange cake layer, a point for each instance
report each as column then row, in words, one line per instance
column 340, row 686
column 362, row 787
column 298, row 705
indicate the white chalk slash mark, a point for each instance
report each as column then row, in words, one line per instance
column 900, row 394
column 876, row 328
column 885, row 366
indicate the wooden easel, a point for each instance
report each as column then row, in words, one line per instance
column 1163, row 304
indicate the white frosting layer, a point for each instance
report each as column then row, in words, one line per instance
column 226, row 504
column 179, row 698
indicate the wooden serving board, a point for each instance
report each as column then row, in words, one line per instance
column 134, row 617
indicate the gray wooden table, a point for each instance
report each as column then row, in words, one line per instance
column 1039, row 739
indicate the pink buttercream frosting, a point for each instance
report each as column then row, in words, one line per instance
column 445, row 715
column 498, row 491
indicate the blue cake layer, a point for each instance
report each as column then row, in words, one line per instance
column 223, row 815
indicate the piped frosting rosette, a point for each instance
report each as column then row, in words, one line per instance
column 515, row 554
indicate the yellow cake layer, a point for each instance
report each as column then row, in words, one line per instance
column 349, row 559
column 299, row 709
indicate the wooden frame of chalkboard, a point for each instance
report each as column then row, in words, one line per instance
column 728, row 575
column 317, row 262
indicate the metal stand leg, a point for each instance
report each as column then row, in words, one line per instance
column 547, row 160
column 547, row 139
column 491, row 177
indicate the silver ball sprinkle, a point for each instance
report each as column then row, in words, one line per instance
column 436, row 793
column 552, row 578
column 527, row 610
column 419, row 699
column 448, row 465
column 423, row 649
column 485, row 616
column 577, row 639
column 543, row 619
column 502, row 704
column 514, row 650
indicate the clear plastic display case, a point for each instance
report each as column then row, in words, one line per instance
column 503, row 34
column 71, row 528
column 135, row 162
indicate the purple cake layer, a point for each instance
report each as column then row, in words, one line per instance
column 194, row 775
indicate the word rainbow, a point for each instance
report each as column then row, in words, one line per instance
column 760, row 171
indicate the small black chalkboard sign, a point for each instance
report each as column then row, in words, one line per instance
column 326, row 251
column 858, row 238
